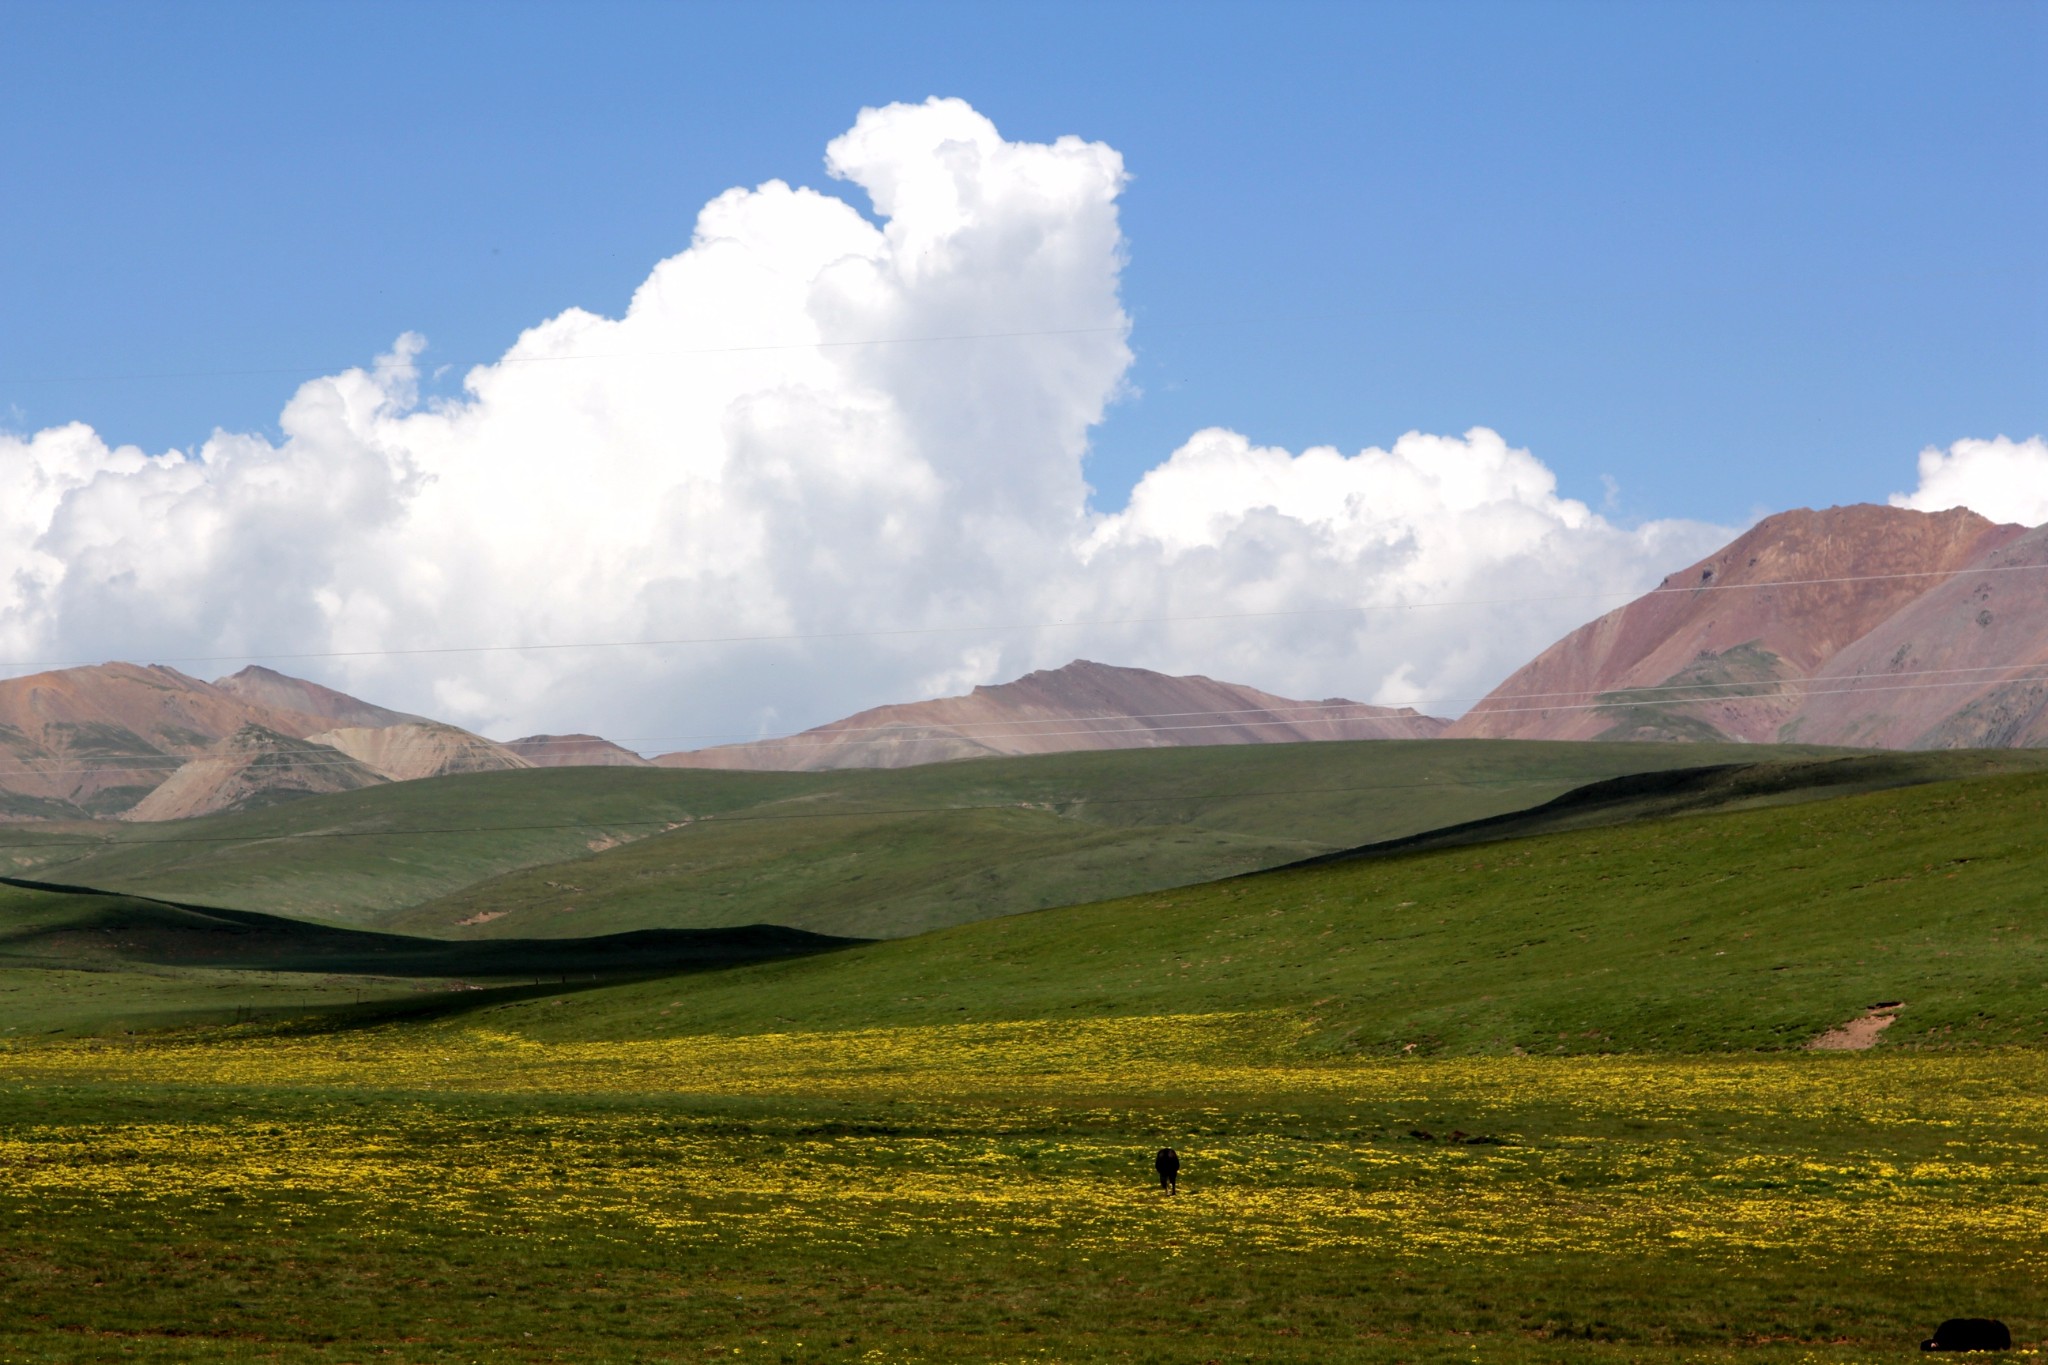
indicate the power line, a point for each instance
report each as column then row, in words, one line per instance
column 687, row 821
column 1607, row 699
column 172, row 762
column 656, row 353
column 143, row 763
column 791, row 637
column 827, row 733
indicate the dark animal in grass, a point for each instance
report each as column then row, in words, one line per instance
column 1969, row 1334
column 1167, row 1163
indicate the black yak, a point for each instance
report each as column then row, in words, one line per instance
column 1969, row 1334
column 1167, row 1163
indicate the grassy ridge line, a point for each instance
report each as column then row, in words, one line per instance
column 1688, row 791
column 1258, row 804
column 1755, row 929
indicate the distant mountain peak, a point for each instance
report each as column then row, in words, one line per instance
column 1080, row 705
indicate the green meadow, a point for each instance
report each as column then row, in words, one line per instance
column 1533, row 1091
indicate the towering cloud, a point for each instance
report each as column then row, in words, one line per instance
column 867, row 433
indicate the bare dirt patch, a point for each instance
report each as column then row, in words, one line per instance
column 1858, row 1034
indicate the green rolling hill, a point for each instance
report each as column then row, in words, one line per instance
column 1697, row 791
column 1749, row 929
column 358, row 855
column 1754, row 927
column 886, row 876
column 856, row 852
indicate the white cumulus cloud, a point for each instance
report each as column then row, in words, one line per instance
column 1459, row 550
column 2002, row 479
column 866, row 433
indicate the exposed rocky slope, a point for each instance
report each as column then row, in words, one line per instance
column 574, row 751
column 96, row 740
column 406, row 753
column 252, row 767
column 1870, row 626
column 1081, row 706
column 279, row 691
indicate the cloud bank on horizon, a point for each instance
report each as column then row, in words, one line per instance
column 870, row 432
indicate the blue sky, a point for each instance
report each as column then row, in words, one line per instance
column 1736, row 257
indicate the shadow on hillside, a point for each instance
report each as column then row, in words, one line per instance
column 1698, row 791
column 82, row 928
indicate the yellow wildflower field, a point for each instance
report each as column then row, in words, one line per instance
column 1022, row 1151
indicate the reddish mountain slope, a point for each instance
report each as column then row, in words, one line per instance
column 98, row 740
column 1856, row 625
column 1081, row 706
column 1964, row 666
column 279, row 691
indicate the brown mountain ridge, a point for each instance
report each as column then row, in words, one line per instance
column 151, row 743
column 1057, row 711
column 95, row 741
column 1083, row 705
column 1869, row 626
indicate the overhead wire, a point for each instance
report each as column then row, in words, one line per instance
column 669, row 824
column 1609, row 699
column 649, row 353
column 1291, row 715
column 1279, row 716
column 790, row 637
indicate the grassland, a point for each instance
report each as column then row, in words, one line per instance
column 981, row 1192
column 575, row 852
column 937, row 1148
